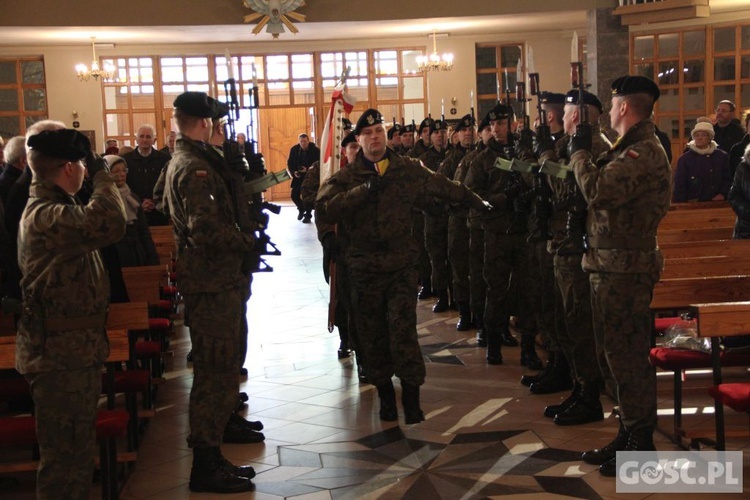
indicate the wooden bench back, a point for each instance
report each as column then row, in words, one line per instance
column 697, row 267
column 679, row 293
column 143, row 282
column 693, row 249
column 164, row 242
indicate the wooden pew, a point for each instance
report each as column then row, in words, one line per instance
column 164, row 242
column 708, row 266
column 143, row 282
column 667, row 236
column 693, row 249
column 708, row 217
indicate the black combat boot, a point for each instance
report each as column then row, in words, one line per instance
column 361, row 373
column 552, row 410
column 606, row 453
column 344, row 351
column 527, row 380
column 464, row 318
column 494, row 352
column 587, row 408
column 387, row 395
column 557, row 378
column 639, row 440
column 506, row 338
column 426, row 291
column 442, row 304
column 529, row 358
column 410, row 399
column 212, row 473
column 481, row 335
column 241, row 431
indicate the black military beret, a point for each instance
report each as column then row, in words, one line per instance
column 347, row 123
column 438, row 125
column 200, row 105
column 483, row 124
column 629, row 84
column 348, row 139
column 222, row 110
column 425, row 124
column 395, row 129
column 552, row 98
column 467, row 121
column 407, row 129
column 368, row 119
column 499, row 112
column 588, row 98
column 66, row 144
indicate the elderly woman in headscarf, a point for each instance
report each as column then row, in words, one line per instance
column 703, row 172
column 137, row 247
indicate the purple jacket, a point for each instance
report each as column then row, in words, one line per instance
column 700, row 177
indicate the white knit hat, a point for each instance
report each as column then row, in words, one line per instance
column 703, row 127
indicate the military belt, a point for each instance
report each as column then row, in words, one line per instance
column 76, row 323
column 621, row 243
column 398, row 242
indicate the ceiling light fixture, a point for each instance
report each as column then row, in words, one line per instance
column 85, row 74
column 434, row 61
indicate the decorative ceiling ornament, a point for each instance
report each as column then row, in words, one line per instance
column 274, row 15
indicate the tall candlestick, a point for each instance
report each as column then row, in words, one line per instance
column 471, row 97
column 574, row 48
column 530, row 67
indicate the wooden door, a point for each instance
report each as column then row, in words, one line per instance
column 280, row 128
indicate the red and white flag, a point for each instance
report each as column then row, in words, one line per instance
column 333, row 132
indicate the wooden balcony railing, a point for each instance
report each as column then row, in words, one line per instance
column 659, row 11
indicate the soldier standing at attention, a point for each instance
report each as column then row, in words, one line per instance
column 407, row 139
column 372, row 200
column 210, row 255
column 61, row 343
column 628, row 191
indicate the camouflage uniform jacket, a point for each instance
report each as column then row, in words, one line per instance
column 448, row 168
column 379, row 224
column 490, row 183
column 65, row 285
column 628, row 192
column 432, row 158
column 418, row 150
column 474, row 217
column 210, row 246
column 565, row 192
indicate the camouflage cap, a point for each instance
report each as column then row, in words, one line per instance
column 200, row 105
column 499, row 112
column 551, row 98
column 348, row 139
column 67, row 144
column 635, row 84
column 588, row 98
column 368, row 119
column 425, row 124
column 467, row 121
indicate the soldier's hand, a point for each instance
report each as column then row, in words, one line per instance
column 581, row 140
column 524, row 142
column 95, row 164
column 257, row 163
column 483, row 206
column 237, row 163
column 330, row 253
column 543, row 145
column 375, row 184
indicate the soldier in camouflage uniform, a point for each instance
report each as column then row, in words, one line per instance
column 628, row 190
column 576, row 338
column 61, row 343
column 210, row 256
column 436, row 219
column 394, row 137
column 372, row 200
column 505, row 248
column 424, row 276
column 407, row 139
column 458, row 230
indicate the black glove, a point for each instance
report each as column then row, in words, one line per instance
column 524, row 142
column 483, row 206
column 330, row 253
column 256, row 163
column 543, row 145
column 375, row 184
column 581, row 140
column 95, row 164
column 520, row 205
column 512, row 189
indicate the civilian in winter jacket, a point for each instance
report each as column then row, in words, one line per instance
column 739, row 197
column 703, row 170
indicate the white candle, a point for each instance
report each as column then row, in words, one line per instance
column 471, row 96
column 574, row 48
column 530, row 61
column 519, row 71
column 255, row 74
column 442, row 106
column 230, row 68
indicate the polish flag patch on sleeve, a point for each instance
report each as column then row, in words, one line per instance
column 201, row 173
column 633, row 154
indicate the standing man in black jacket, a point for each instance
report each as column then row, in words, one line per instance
column 301, row 157
column 727, row 129
column 145, row 163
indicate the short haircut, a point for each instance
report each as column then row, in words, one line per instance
column 15, row 149
column 303, row 136
column 558, row 109
column 729, row 103
column 148, row 126
column 185, row 121
column 641, row 104
column 43, row 166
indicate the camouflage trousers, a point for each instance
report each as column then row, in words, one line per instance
column 385, row 312
column 436, row 243
column 343, row 318
column 476, row 270
column 504, row 255
column 577, row 337
column 218, row 331
column 417, row 231
column 459, row 256
column 541, row 297
column 622, row 324
column 65, row 403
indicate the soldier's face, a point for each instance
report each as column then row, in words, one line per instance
column 425, row 135
column 372, row 141
column 570, row 119
column 438, row 139
column 499, row 130
column 486, row 134
column 408, row 139
column 466, row 136
column 396, row 139
column 616, row 113
column 350, row 151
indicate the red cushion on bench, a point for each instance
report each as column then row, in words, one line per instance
column 148, row 349
column 735, row 396
column 160, row 324
column 111, row 423
column 129, row 381
column 661, row 324
column 169, row 290
column 14, row 388
column 17, row 431
column 683, row 359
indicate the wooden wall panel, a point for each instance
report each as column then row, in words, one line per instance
column 279, row 130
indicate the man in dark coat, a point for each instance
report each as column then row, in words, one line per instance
column 301, row 157
column 145, row 164
column 727, row 129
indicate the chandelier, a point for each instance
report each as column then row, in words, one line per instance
column 435, row 61
column 85, row 74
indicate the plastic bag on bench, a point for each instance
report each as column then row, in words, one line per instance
column 684, row 335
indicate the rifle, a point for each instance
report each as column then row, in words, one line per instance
column 543, row 199
column 249, row 204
